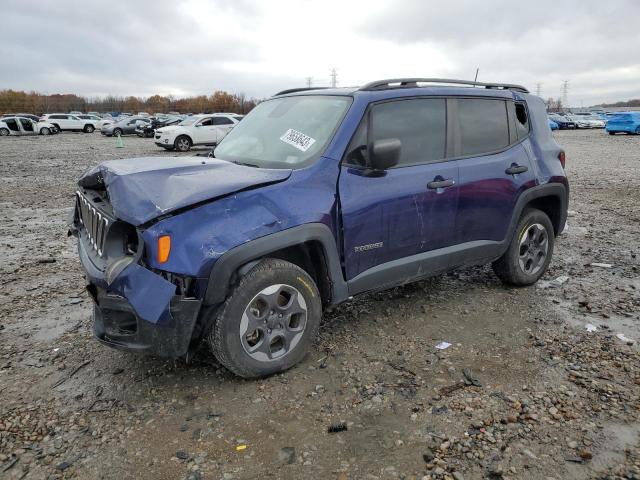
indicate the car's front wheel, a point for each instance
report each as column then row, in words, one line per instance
column 529, row 252
column 117, row 132
column 268, row 322
column 4, row 132
column 182, row 143
column 45, row 131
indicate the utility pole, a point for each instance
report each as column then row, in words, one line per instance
column 565, row 93
column 538, row 89
column 334, row 78
column 309, row 80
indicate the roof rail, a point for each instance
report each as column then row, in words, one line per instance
column 413, row 82
column 302, row 89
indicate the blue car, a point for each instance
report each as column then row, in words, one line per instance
column 627, row 122
column 553, row 125
column 318, row 195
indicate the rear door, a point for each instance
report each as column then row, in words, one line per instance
column 75, row 123
column 27, row 126
column 406, row 210
column 492, row 140
column 223, row 126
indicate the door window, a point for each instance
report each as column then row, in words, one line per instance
column 27, row 126
column 221, row 121
column 207, row 122
column 483, row 125
column 12, row 124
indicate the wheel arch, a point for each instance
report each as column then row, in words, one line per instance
column 551, row 198
column 312, row 247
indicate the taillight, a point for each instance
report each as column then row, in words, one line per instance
column 562, row 158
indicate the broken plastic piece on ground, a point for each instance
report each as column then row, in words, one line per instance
column 590, row 327
column 601, row 265
column 241, row 447
column 337, row 427
column 623, row 338
column 443, row 345
column 559, row 281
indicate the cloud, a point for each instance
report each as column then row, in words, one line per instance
column 198, row 46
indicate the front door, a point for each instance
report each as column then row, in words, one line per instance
column 409, row 209
column 205, row 132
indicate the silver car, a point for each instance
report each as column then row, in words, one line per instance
column 126, row 126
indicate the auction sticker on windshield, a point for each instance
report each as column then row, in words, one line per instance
column 298, row 139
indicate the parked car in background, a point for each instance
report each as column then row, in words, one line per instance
column 99, row 121
column 126, row 126
column 66, row 121
column 563, row 122
column 553, row 125
column 593, row 120
column 75, row 112
column 624, row 122
column 25, row 126
column 313, row 198
column 585, row 121
column 196, row 130
column 148, row 130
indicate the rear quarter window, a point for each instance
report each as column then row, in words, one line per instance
column 483, row 125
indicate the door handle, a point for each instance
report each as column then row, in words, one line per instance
column 514, row 169
column 439, row 182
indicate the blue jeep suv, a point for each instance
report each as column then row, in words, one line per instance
column 316, row 196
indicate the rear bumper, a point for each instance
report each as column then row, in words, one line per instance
column 116, row 325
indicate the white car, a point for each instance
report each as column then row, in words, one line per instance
column 25, row 126
column 99, row 121
column 66, row 121
column 196, row 130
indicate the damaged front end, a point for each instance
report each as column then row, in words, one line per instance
column 136, row 308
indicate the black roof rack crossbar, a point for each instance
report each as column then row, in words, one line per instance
column 302, row 89
column 413, row 82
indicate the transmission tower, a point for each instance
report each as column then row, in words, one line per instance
column 334, row 78
column 309, row 81
column 565, row 93
column 538, row 89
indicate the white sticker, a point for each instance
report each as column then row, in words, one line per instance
column 298, row 139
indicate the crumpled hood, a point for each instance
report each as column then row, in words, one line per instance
column 141, row 189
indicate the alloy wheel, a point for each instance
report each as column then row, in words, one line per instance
column 533, row 249
column 273, row 322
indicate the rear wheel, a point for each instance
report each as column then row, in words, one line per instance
column 88, row 128
column 529, row 252
column 45, row 131
column 182, row 143
column 268, row 322
column 4, row 132
column 57, row 127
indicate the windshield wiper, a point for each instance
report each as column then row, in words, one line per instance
column 247, row 164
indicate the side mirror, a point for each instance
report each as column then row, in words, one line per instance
column 385, row 153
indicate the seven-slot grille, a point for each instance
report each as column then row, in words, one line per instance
column 94, row 222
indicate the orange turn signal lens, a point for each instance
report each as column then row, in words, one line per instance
column 164, row 248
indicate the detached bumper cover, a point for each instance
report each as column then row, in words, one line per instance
column 116, row 324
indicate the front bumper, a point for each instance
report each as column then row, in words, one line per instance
column 116, row 324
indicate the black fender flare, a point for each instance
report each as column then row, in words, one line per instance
column 558, row 190
column 223, row 270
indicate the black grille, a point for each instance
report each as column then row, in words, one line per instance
column 94, row 222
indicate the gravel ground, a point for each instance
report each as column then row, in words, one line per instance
column 527, row 389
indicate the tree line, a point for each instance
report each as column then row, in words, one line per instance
column 12, row 101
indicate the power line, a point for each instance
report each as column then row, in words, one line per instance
column 334, row 78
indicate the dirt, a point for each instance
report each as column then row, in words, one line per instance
column 524, row 390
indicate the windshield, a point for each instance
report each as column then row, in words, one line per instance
column 188, row 121
column 284, row 132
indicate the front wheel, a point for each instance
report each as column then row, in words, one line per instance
column 117, row 132
column 4, row 132
column 183, row 143
column 45, row 131
column 529, row 252
column 268, row 322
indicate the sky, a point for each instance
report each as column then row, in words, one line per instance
column 194, row 47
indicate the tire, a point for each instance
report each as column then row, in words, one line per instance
column 171, row 148
column 45, row 131
column 268, row 344
column 529, row 252
column 612, row 133
column 57, row 127
column 117, row 132
column 182, row 143
column 638, row 131
column 4, row 132
column 88, row 129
